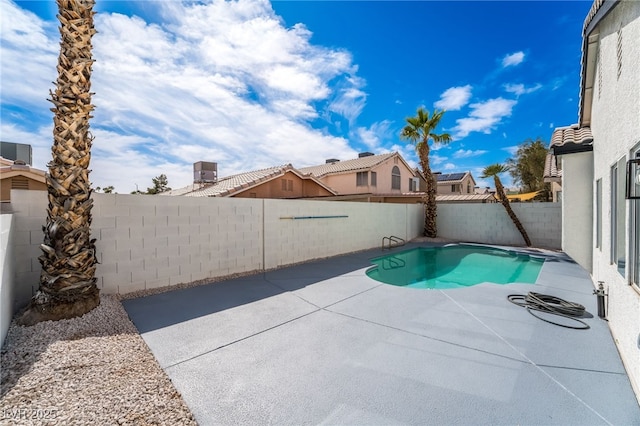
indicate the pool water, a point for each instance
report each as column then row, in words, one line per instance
column 455, row 267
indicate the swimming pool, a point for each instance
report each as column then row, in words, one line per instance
column 455, row 266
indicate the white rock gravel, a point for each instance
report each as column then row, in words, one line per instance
column 90, row 370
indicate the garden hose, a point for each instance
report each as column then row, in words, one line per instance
column 551, row 305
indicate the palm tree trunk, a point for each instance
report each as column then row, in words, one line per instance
column 67, row 282
column 430, row 216
column 507, row 206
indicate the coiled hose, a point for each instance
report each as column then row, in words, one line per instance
column 551, row 305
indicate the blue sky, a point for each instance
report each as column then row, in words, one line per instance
column 251, row 84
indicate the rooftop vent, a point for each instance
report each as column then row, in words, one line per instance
column 205, row 172
column 365, row 154
column 332, row 160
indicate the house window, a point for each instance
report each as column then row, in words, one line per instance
column 374, row 179
column 634, row 243
column 599, row 214
column 413, row 184
column 287, row 184
column 618, row 215
column 395, row 178
column 468, row 187
column 362, row 178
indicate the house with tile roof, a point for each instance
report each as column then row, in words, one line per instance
column 600, row 162
column 274, row 182
column 18, row 175
column 373, row 178
column 455, row 183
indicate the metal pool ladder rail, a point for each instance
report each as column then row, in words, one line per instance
column 392, row 242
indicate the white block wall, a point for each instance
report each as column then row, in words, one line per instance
column 7, row 273
column 490, row 224
column 144, row 242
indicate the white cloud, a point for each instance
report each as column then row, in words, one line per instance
column 461, row 153
column 513, row 59
column 520, row 89
column 484, row 117
column 223, row 81
column 512, row 150
column 454, row 98
column 449, row 166
column 437, row 159
column 374, row 135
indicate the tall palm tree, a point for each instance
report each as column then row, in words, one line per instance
column 420, row 130
column 494, row 171
column 67, row 282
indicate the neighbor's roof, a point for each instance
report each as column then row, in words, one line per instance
column 239, row 182
column 363, row 163
column 452, row 177
column 551, row 171
column 571, row 139
column 8, row 168
column 465, row 197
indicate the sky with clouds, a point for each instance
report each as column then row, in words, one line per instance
column 251, row 84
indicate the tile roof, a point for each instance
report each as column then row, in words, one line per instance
column 551, row 171
column 230, row 184
column 364, row 163
column 450, row 177
column 570, row 139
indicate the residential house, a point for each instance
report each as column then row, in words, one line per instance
column 455, row 183
column 18, row 175
column 370, row 178
column 274, row 182
column 601, row 214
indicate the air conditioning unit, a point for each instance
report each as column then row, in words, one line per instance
column 205, row 172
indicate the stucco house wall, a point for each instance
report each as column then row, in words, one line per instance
column 290, row 185
column 345, row 183
column 615, row 124
column 466, row 186
column 577, row 207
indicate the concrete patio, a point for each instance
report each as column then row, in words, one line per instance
column 321, row 343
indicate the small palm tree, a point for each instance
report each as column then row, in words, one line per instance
column 67, row 282
column 420, row 130
column 494, row 171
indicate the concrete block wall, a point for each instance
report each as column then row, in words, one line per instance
column 295, row 232
column 490, row 224
column 7, row 262
column 144, row 242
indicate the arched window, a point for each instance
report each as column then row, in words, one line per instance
column 395, row 178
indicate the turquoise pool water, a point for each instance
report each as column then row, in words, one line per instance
column 455, row 267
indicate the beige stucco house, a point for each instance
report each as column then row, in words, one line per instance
column 455, row 183
column 373, row 178
column 600, row 215
column 18, row 175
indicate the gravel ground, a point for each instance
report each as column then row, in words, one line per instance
column 90, row 370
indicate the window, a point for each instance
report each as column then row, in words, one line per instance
column 362, row 178
column 618, row 215
column 395, row 178
column 413, row 184
column 634, row 243
column 374, row 179
column 287, row 185
column 599, row 214
column 468, row 187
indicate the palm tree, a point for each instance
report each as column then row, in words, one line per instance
column 420, row 130
column 67, row 281
column 494, row 171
